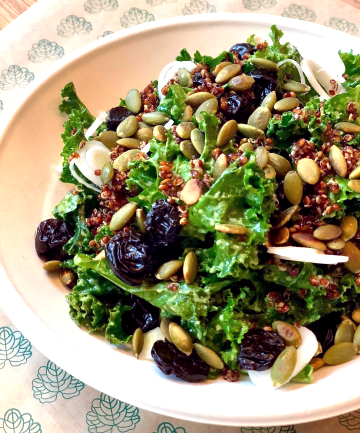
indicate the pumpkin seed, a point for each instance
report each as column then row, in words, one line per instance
column 308, row 240
column 129, row 143
column 344, row 333
column 227, row 133
column 188, row 150
column 190, row 268
column 280, row 236
column 184, row 78
column 209, row 106
column 140, row 219
column 198, row 140
column 293, row 187
column 261, row 63
column 108, row 138
column 337, row 160
column 308, row 170
column 355, row 174
column 127, row 127
column 340, row 353
column 184, row 129
column 227, row 73
column 191, row 192
column 349, row 226
column 122, row 216
column 269, row 101
column 356, row 339
column 181, row 338
column 327, row 232
column 294, row 86
column 288, row 333
column 155, row 118
column 347, row 320
column 196, row 99
column 133, row 101
column 187, row 115
column 336, row 244
column 160, row 133
column 250, row 131
column 220, row 165
column 316, row 363
column 164, row 328
column 168, row 269
column 121, row 163
column 351, row 251
column 144, row 125
column 107, row 173
column 286, row 104
column 247, row 146
column 281, row 165
column 285, row 216
column 284, row 366
column 241, row 83
column 356, row 315
column 137, row 342
column 354, row 185
column 348, row 128
column 144, row 134
column 261, row 156
column 233, row 229
column 260, row 118
column 68, row 278
column 209, row 356
column 269, row 172
column 220, row 67
column 52, row 265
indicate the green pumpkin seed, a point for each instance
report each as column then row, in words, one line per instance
column 144, row 125
column 269, row 101
column 308, row 170
column 164, row 328
column 68, row 278
column 281, row 165
column 220, row 67
column 347, row 320
column 316, row 363
column 168, row 269
column 250, row 131
column 356, row 339
column 220, row 165
column 129, row 143
column 337, row 160
column 349, row 227
column 210, row 106
column 280, row 236
column 188, row 150
column 209, row 356
column 121, row 163
column 327, row 232
column 247, row 146
column 137, row 342
column 269, row 172
column 286, row 104
column 52, row 265
column 155, row 118
column 355, row 174
column 345, row 333
column 227, row 133
column 227, row 73
column 289, row 333
column 262, row 156
column 108, row 138
column 348, row 128
column 196, row 99
column 356, row 316
column 127, row 127
column 336, row 244
column 354, row 185
column 351, row 251
column 184, row 129
column 198, row 140
column 233, row 229
column 122, row 216
column 107, row 173
column 340, row 353
column 187, row 115
column 308, row 240
column 293, row 187
column 160, row 133
column 184, row 78
column 240, row 83
column 140, row 220
column 260, row 118
column 133, row 101
column 144, row 134
column 190, row 268
column 261, row 63
column 283, row 366
column 294, row 86
column 285, row 216
column 181, row 338
column 191, row 192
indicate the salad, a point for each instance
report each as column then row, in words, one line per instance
column 214, row 219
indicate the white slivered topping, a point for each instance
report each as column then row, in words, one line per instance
column 146, row 148
column 97, row 122
column 96, row 157
column 149, row 339
column 303, row 254
column 79, row 179
column 297, row 66
column 168, row 124
column 168, row 72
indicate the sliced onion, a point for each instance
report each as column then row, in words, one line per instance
column 97, row 122
column 308, row 255
column 297, row 66
column 80, row 179
column 168, row 72
column 169, row 124
column 146, row 148
column 96, row 157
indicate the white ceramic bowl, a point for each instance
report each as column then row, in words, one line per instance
column 30, row 146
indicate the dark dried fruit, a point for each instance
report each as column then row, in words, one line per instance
column 129, row 257
column 243, row 48
column 198, row 79
column 162, row 224
column 51, row 235
column 238, row 107
column 142, row 315
column 115, row 116
column 259, row 349
column 171, row 361
column 325, row 329
column 265, row 82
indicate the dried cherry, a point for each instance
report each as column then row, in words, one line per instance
column 259, row 349
column 265, row 82
column 171, row 361
column 115, row 116
column 243, row 48
column 239, row 107
column 325, row 329
column 50, row 237
column 142, row 315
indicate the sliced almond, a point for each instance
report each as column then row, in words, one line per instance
column 191, row 192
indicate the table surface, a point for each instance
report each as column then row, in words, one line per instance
column 11, row 9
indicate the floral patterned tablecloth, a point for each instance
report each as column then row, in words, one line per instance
column 35, row 394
